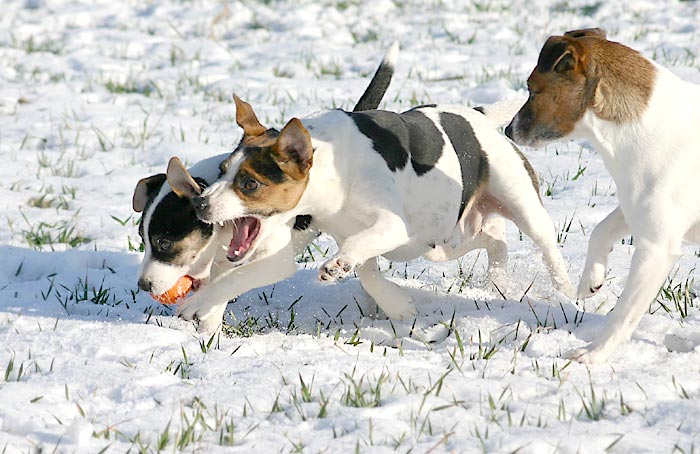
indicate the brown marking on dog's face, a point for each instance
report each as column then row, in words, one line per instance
column 267, row 174
column 579, row 71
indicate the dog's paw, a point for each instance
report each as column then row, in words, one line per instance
column 591, row 281
column 590, row 354
column 197, row 309
column 335, row 269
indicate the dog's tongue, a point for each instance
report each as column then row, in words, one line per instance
column 244, row 232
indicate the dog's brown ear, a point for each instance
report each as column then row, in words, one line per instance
column 180, row 179
column 559, row 54
column 587, row 32
column 246, row 119
column 144, row 189
column 293, row 151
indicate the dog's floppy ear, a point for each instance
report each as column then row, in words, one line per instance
column 559, row 54
column 180, row 180
column 246, row 119
column 144, row 189
column 587, row 32
column 293, row 151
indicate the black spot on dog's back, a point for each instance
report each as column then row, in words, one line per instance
column 388, row 133
column 425, row 141
column 472, row 159
column 398, row 137
column 479, row 109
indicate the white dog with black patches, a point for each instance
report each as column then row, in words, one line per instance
column 429, row 182
column 641, row 119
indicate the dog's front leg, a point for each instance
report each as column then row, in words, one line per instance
column 209, row 303
column 388, row 232
column 603, row 237
column 395, row 301
column 650, row 266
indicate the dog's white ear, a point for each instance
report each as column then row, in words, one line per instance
column 246, row 119
column 293, row 151
column 144, row 189
column 587, row 32
column 180, row 179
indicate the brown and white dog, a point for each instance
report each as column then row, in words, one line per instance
column 641, row 119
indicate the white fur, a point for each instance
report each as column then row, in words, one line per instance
column 654, row 162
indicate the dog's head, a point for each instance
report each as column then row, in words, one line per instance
column 562, row 86
column 579, row 72
column 265, row 176
column 176, row 242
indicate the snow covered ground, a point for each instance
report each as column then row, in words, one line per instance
column 97, row 94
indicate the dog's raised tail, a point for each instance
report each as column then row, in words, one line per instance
column 502, row 112
column 377, row 87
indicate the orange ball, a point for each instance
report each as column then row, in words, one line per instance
column 178, row 291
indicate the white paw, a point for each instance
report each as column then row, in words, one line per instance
column 590, row 354
column 591, row 281
column 201, row 310
column 337, row 268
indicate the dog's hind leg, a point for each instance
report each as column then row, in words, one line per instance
column 491, row 236
column 603, row 237
column 395, row 301
column 531, row 217
column 651, row 263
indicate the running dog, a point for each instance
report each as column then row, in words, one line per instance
column 640, row 117
column 432, row 181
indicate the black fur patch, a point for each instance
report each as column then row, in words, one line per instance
column 397, row 137
column 472, row 159
column 388, row 133
column 479, row 109
column 425, row 141
column 264, row 165
column 174, row 219
column 551, row 51
column 302, row 222
column 424, row 106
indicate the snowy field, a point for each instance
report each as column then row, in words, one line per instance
column 95, row 95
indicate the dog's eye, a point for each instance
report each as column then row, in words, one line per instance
column 250, row 184
column 164, row 244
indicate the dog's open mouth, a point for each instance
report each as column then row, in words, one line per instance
column 245, row 231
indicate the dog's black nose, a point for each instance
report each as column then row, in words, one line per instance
column 200, row 203
column 144, row 285
column 509, row 131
